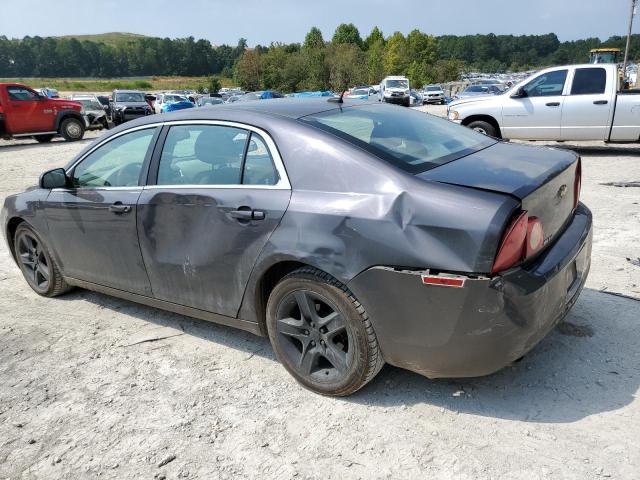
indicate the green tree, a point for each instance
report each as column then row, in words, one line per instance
column 396, row 55
column 347, row 33
column 346, row 65
column 375, row 62
column 214, row 84
column 248, row 70
column 374, row 37
column 313, row 39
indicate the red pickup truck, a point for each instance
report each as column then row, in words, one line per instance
column 26, row 113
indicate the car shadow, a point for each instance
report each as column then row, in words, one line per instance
column 599, row 150
column 17, row 147
column 587, row 365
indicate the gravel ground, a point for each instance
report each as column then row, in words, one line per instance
column 92, row 386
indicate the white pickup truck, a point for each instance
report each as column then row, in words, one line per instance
column 575, row 102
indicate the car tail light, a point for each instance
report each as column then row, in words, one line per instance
column 535, row 236
column 577, row 184
column 513, row 244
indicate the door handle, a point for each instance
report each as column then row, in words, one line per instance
column 600, row 102
column 553, row 104
column 119, row 208
column 245, row 214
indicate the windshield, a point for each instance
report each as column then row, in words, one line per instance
column 129, row 97
column 90, row 104
column 477, row 88
column 174, row 99
column 410, row 140
column 433, row 89
column 360, row 91
column 397, row 84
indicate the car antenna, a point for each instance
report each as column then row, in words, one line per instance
column 339, row 99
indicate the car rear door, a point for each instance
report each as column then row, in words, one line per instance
column 28, row 111
column 537, row 113
column 586, row 114
column 217, row 190
column 92, row 225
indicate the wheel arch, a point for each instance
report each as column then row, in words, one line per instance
column 11, row 227
column 62, row 115
column 484, row 118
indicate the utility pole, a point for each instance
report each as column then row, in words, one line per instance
column 626, row 50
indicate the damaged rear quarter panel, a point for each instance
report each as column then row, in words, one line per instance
column 350, row 211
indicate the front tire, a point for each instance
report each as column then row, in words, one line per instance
column 483, row 127
column 322, row 334
column 36, row 263
column 72, row 129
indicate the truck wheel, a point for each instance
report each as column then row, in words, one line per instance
column 72, row 129
column 322, row 334
column 43, row 138
column 483, row 127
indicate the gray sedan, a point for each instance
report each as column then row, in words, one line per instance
column 350, row 234
column 478, row 90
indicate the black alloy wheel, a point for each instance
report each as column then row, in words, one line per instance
column 321, row 333
column 36, row 264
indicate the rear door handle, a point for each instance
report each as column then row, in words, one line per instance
column 119, row 208
column 553, row 104
column 600, row 102
column 246, row 214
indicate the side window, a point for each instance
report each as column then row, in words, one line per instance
column 117, row 163
column 202, row 155
column 21, row 94
column 588, row 81
column 547, row 85
column 258, row 165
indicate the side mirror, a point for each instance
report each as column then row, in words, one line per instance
column 520, row 93
column 56, row 178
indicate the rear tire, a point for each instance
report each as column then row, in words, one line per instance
column 322, row 334
column 43, row 138
column 36, row 263
column 483, row 127
column 72, row 129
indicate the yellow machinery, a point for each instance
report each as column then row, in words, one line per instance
column 604, row 55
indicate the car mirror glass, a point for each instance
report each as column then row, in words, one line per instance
column 56, row 178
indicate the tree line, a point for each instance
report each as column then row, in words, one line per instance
column 315, row 64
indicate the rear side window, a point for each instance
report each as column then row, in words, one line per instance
column 202, row 155
column 215, row 155
column 258, row 165
column 589, row 81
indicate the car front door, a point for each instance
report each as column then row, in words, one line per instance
column 586, row 113
column 29, row 111
column 536, row 113
column 220, row 191
column 92, row 224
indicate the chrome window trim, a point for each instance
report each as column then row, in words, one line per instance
column 283, row 182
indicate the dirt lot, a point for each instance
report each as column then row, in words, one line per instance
column 89, row 389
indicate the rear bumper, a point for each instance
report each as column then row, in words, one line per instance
column 485, row 325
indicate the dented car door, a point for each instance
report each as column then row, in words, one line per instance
column 216, row 192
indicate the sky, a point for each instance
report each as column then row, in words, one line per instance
column 265, row 21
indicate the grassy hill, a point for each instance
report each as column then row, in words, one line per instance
column 110, row 38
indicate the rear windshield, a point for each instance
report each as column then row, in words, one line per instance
column 412, row 140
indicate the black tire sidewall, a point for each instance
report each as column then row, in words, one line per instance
column 342, row 303
column 487, row 127
column 63, row 129
column 25, row 229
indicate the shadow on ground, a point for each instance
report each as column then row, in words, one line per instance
column 585, row 367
